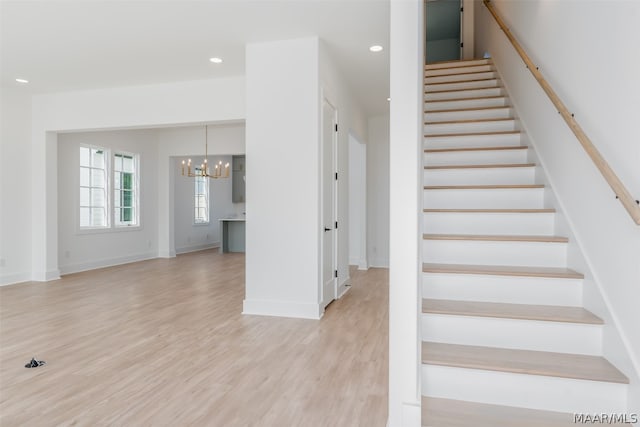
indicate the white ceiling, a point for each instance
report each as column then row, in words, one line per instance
column 83, row 44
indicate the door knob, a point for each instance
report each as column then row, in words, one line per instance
column 327, row 229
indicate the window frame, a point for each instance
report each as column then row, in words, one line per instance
column 109, row 169
column 106, row 188
column 136, row 190
column 206, row 194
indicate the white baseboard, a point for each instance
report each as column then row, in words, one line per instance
column 379, row 263
column 360, row 263
column 195, row 248
column 45, row 276
column 282, row 309
column 166, row 254
column 14, row 278
column 107, row 262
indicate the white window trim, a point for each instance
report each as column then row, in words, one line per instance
column 107, row 158
column 110, row 228
column 202, row 223
column 136, row 161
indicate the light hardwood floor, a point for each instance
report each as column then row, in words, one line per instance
column 163, row 342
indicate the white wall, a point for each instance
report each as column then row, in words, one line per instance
column 351, row 120
column 203, row 101
column 378, row 192
column 84, row 250
column 405, row 202
column 468, row 33
column 357, row 203
column 602, row 62
column 283, row 198
column 15, row 186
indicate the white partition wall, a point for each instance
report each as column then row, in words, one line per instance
column 407, row 65
column 283, row 204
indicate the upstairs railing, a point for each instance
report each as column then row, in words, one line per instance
column 621, row 192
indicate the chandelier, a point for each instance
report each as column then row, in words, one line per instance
column 203, row 171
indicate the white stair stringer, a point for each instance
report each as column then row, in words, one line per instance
column 495, row 277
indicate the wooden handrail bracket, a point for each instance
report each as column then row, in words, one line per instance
column 609, row 175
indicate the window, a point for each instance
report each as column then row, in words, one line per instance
column 93, row 188
column 201, row 199
column 100, row 207
column 125, row 189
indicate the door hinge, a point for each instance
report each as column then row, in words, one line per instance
column 336, row 225
column 336, row 176
column 336, row 127
column 461, row 44
column 335, row 273
column 462, row 9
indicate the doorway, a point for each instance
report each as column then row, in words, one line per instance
column 329, row 251
column 444, row 30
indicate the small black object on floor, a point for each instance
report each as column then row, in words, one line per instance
column 35, row 363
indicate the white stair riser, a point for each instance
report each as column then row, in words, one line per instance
column 463, row 94
column 467, row 103
column 471, row 84
column 469, row 141
column 458, row 70
column 479, row 176
column 492, row 113
column 456, row 64
column 460, row 77
column 503, row 289
column 484, row 126
column 558, row 337
column 529, row 224
column 528, row 391
column 542, row 254
column 520, row 198
column 497, row 157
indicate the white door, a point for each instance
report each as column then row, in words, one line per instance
column 329, row 232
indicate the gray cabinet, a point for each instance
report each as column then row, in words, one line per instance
column 238, row 179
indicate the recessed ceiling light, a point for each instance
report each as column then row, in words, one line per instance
column 375, row 48
column 216, row 60
column 22, row 81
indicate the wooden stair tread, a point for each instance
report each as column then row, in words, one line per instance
column 529, row 362
column 463, row 89
column 482, row 187
column 466, row 109
column 452, row 122
column 496, row 238
column 506, row 132
column 498, row 211
column 500, row 270
column 462, row 81
column 439, row 412
column 511, row 311
column 464, row 99
column 453, row 150
column 491, row 166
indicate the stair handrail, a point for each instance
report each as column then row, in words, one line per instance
column 621, row 192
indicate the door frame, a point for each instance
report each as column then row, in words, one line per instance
column 325, row 98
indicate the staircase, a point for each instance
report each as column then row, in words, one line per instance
column 505, row 341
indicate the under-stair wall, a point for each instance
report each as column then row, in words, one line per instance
column 604, row 240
